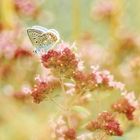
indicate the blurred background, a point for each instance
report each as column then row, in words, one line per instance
column 107, row 33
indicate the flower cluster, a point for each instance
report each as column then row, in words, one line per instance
column 43, row 89
column 123, row 106
column 60, row 130
column 12, row 51
column 126, row 105
column 96, row 79
column 106, row 122
column 10, row 47
column 62, row 61
column 105, row 78
column 131, row 98
column 80, row 84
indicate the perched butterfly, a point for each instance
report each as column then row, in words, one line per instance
column 42, row 38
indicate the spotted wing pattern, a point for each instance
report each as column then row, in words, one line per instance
column 43, row 38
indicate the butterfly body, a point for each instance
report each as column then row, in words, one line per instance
column 42, row 38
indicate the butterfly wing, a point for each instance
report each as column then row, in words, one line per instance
column 35, row 36
column 43, row 38
column 55, row 32
column 40, row 28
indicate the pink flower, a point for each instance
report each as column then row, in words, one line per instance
column 10, row 47
column 60, row 130
column 130, row 96
column 98, row 78
column 118, row 85
column 105, row 78
column 90, row 81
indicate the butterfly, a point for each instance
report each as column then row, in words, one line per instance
column 42, row 38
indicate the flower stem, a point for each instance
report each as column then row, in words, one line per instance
column 62, row 85
column 58, row 105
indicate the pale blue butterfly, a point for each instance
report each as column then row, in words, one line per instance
column 42, row 38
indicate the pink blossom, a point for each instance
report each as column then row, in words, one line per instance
column 130, row 96
column 60, row 130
